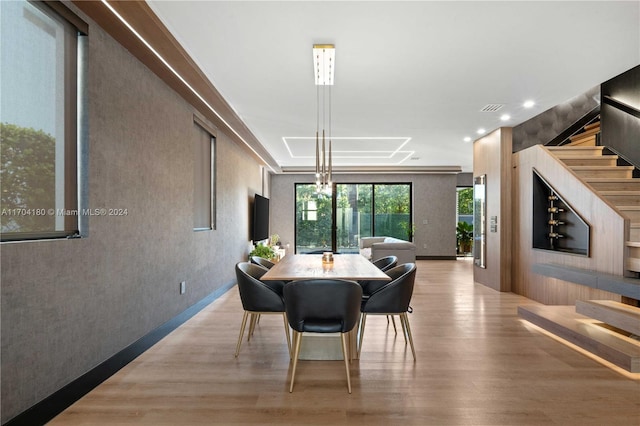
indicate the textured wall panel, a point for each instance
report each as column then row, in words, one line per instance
column 68, row 305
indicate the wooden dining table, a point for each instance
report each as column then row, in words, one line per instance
column 353, row 267
column 310, row 266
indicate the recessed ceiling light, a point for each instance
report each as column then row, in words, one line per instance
column 528, row 104
column 467, row 139
column 505, row 117
column 481, row 131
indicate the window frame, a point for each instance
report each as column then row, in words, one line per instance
column 334, row 242
column 206, row 128
column 75, row 128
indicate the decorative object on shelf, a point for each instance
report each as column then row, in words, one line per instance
column 553, row 222
column 274, row 240
column 327, row 257
column 556, row 225
column 324, row 68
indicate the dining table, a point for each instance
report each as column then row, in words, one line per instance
column 354, row 267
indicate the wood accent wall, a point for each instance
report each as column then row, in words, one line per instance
column 607, row 232
column 492, row 157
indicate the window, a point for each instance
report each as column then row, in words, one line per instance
column 203, row 179
column 337, row 222
column 39, row 121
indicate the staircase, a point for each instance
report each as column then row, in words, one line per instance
column 612, row 182
column 608, row 329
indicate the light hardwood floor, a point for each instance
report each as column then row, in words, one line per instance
column 477, row 364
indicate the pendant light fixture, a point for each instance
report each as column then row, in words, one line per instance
column 324, row 68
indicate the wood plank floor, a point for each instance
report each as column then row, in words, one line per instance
column 478, row 364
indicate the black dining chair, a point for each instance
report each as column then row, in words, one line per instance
column 322, row 306
column 258, row 298
column 392, row 299
column 384, row 264
column 370, row 286
column 257, row 260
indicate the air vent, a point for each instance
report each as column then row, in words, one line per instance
column 415, row 158
column 491, row 107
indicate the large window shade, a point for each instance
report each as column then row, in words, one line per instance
column 203, row 179
column 39, row 121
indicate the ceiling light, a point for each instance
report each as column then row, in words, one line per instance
column 505, row 117
column 324, row 60
column 481, row 131
column 467, row 139
column 324, row 66
column 528, row 104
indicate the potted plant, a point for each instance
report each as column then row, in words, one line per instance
column 263, row 251
column 464, row 237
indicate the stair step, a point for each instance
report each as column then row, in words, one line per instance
column 565, row 322
column 575, row 150
column 592, row 126
column 632, row 212
column 622, row 198
column 589, row 160
column 584, row 141
column 632, row 262
column 634, row 234
column 613, row 184
column 604, row 171
column 587, row 133
column 619, row 315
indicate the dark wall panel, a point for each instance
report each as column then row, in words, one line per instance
column 619, row 129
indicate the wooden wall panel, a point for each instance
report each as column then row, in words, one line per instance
column 607, row 232
column 492, row 157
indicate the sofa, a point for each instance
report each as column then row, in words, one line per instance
column 376, row 247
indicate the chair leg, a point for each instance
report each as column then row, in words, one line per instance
column 346, row 359
column 405, row 318
column 393, row 320
column 297, row 338
column 244, row 323
column 286, row 332
column 364, row 320
column 252, row 325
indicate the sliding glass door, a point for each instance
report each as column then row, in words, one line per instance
column 328, row 223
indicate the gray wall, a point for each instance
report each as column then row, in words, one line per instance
column 434, row 201
column 546, row 126
column 68, row 305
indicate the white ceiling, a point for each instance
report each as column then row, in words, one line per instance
column 411, row 77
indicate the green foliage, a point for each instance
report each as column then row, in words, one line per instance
column 409, row 229
column 27, row 175
column 464, row 236
column 266, row 252
column 465, row 201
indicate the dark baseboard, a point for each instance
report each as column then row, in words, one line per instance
column 435, row 257
column 54, row 404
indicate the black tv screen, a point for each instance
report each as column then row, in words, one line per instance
column 260, row 218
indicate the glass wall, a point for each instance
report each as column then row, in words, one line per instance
column 359, row 210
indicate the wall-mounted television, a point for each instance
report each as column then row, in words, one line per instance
column 260, row 218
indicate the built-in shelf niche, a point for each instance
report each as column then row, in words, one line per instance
column 556, row 225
